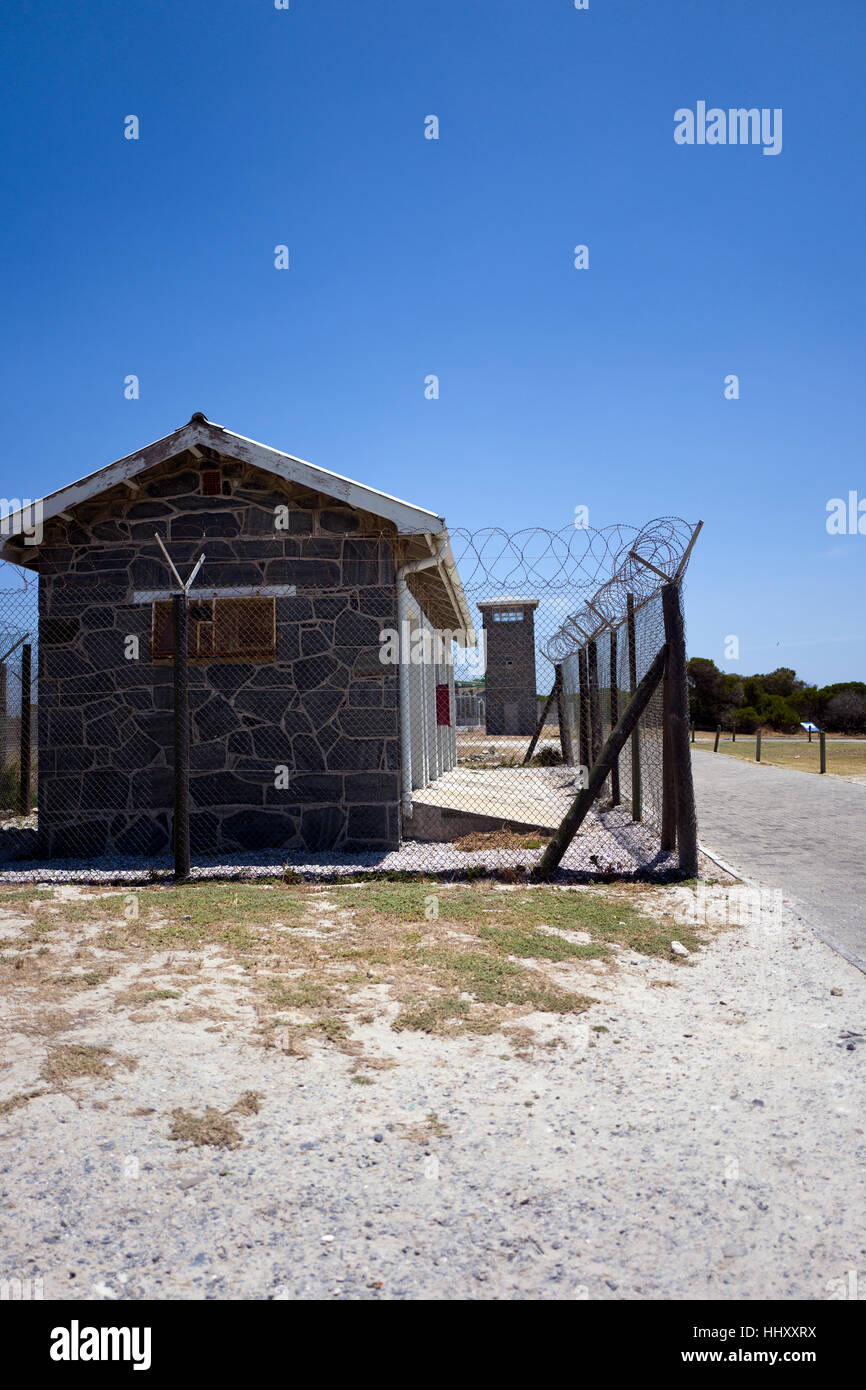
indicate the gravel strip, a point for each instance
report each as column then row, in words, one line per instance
column 610, row 844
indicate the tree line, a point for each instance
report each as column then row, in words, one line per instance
column 775, row 701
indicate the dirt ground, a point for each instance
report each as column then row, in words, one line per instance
column 415, row 1091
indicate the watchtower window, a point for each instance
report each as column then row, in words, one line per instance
column 508, row 615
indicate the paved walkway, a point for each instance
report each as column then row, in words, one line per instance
column 795, row 831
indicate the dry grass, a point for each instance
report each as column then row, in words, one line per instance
column 14, row 1102
column 501, row 839
column 317, row 961
column 213, row 1128
column 76, row 1061
column 844, row 759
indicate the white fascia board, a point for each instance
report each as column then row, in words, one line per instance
column 239, row 591
column 409, row 519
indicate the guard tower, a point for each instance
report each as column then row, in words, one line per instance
column 509, row 625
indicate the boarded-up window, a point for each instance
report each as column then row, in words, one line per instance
column 221, row 629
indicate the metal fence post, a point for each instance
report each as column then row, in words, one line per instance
column 24, row 802
column 636, row 789
column 180, row 616
column 678, row 721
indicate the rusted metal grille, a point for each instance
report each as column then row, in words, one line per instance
column 221, row 629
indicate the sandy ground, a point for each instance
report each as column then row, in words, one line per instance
column 709, row 1143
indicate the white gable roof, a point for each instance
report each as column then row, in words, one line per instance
column 203, row 433
column 408, row 519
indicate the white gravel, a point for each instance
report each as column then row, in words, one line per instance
column 609, row 843
column 709, row 1144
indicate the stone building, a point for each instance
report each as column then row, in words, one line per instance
column 509, row 630
column 302, row 738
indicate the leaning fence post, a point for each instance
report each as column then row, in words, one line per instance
column 180, row 616
column 543, row 716
column 758, row 747
column 822, row 740
column 579, row 808
column 3, row 719
column 562, row 715
column 636, row 789
column 585, row 754
column 614, row 716
column 693, row 731
column 668, row 836
column 24, row 806
column 716, row 743
column 678, row 719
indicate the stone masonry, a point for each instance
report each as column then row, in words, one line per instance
column 325, row 708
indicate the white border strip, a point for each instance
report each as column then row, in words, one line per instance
column 242, row 591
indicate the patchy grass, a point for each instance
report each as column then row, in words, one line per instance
column 250, row 1103
column 466, row 957
column 213, row 1128
column 501, row 839
column 22, row 1098
column 74, row 1061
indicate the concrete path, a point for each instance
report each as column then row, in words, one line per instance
column 795, row 831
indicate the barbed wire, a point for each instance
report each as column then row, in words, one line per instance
column 596, row 567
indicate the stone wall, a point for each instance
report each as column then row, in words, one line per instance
column 325, row 707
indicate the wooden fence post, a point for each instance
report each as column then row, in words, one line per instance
column 822, row 739
column 542, row 718
column 716, row 743
column 636, row 788
column 614, row 716
column 758, row 747
column 678, row 721
column 180, row 616
column 24, row 799
column 594, row 701
column 562, row 715
column 668, row 837
column 4, row 720
column 585, row 748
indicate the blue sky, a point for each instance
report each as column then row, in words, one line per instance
column 558, row 387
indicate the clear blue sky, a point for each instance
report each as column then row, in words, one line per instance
column 409, row 257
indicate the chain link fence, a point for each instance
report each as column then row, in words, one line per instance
column 349, row 706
